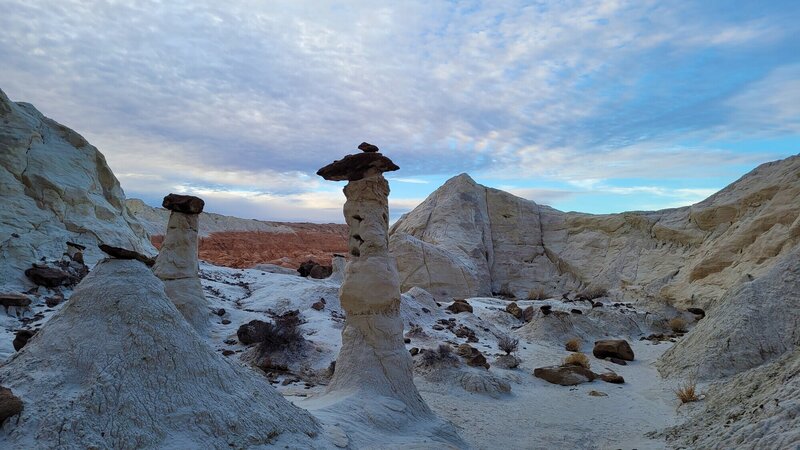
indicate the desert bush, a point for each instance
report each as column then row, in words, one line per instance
column 537, row 294
column 573, row 345
column 442, row 354
column 508, row 344
column 282, row 335
column 592, row 293
column 687, row 392
column 677, row 325
column 577, row 359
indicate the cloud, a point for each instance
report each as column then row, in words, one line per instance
column 252, row 97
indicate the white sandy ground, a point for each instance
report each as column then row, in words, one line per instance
column 535, row 415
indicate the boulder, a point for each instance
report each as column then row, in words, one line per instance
column 507, row 362
column 319, row 305
column 546, row 309
column 368, row 148
column 527, row 313
column 357, row 167
column 611, row 377
column 124, row 253
column 186, row 204
column 252, row 332
column 613, row 348
column 13, row 299
column 564, row 375
column 10, row 404
column 514, row 310
column 459, row 306
column 21, row 338
column 47, row 276
column 320, row 272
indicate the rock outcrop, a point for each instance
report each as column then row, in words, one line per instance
column 373, row 378
column 118, row 366
column 177, row 264
column 56, row 188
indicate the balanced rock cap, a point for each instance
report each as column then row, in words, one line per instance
column 124, row 253
column 367, row 147
column 186, row 204
column 357, row 166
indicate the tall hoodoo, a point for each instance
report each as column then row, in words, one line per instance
column 177, row 263
column 373, row 367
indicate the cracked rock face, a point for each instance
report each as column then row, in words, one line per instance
column 56, row 188
column 177, row 264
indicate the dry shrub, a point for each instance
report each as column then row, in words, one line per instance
column 443, row 354
column 592, row 293
column 508, row 344
column 537, row 294
column 573, row 345
column 677, row 325
column 687, row 392
column 284, row 334
column 577, row 359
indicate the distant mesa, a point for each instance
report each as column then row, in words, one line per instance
column 186, row 204
column 368, row 148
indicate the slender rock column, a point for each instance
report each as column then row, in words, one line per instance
column 177, row 264
column 373, row 358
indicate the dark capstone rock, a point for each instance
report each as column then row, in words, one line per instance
column 123, row 253
column 252, row 332
column 527, row 313
column 18, row 300
column 10, row 404
column 611, row 377
column 47, row 276
column 367, row 147
column 564, row 375
column 21, row 338
column 186, row 204
column 357, row 166
column 613, row 348
column 697, row 312
column 546, row 309
column 513, row 309
column 459, row 306
column 320, row 272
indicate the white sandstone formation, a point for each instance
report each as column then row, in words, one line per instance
column 467, row 240
column 55, row 188
column 177, row 263
column 372, row 386
column 119, row 367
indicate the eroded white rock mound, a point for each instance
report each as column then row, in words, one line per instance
column 119, row 367
column 55, row 188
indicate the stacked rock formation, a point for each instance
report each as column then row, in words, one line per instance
column 373, row 369
column 177, row 263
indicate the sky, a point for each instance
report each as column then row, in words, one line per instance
column 594, row 106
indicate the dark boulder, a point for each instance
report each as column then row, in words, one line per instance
column 564, row 375
column 186, row 204
column 613, row 348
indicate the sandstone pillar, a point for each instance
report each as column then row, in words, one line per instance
column 177, row 264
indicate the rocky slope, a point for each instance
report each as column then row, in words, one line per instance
column 55, row 187
column 466, row 240
column 242, row 243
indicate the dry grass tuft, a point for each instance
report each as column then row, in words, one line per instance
column 573, row 345
column 677, row 325
column 592, row 293
column 537, row 294
column 508, row 344
column 577, row 359
column 687, row 392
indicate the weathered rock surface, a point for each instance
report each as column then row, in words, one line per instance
column 56, row 188
column 564, row 375
column 124, row 351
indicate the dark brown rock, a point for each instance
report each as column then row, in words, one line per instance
column 252, row 332
column 513, row 309
column 228, row 352
column 546, row 309
column 621, row 362
column 611, row 377
column 699, row 312
column 527, row 313
column 367, row 147
column 305, row 268
column 320, row 272
column 576, row 311
column 47, row 276
column 318, row 305
column 54, row 301
column 21, row 338
column 357, row 166
column 459, row 306
column 10, row 404
column 564, row 375
column 414, row 351
column 613, row 348
column 186, row 204
column 18, row 300
column 123, row 253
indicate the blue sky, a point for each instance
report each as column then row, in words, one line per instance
column 595, row 106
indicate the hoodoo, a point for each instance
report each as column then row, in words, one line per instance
column 374, row 370
column 177, row 263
